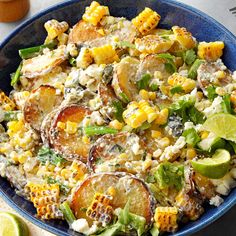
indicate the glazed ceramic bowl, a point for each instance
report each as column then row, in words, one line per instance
column 32, row 33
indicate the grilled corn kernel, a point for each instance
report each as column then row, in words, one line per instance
column 155, row 134
column 191, row 153
column 104, row 54
column 65, row 173
column 95, row 12
column 220, row 91
column 210, row 51
column 62, row 39
column 146, row 20
column 204, row 134
column 166, row 218
column 233, row 97
column 162, row 117
column 86, row 139
column 55, row 28
column 100, row 209
column 61, row 125
column 14, row 156
column 150, row 111
column 85, row 58
column 123, row 156
column 164, row 142
column 152, row 95
column 144, row 94
column 199, row 95
column 71, row 127
column 5, row 102
column 116, row 124
column 184, row 37
column 158, row 75
column 22, row 158
column 111, row 191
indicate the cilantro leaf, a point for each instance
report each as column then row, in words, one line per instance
column 176, row 89
column 189, row 56
column 192, row 73
column 126, row 44
column 117, row 105
column 143, row 83
column 196, row 116
column 211, row 92
column 226, row 104
column 191, row 136
column 169, row 64
column 63, row 188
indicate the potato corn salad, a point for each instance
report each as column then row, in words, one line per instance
column 119, row 126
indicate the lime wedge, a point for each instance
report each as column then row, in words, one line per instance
column 12, row 225
column 215, row 167
column 222, row 125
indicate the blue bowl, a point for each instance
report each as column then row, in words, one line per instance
column 31, row 33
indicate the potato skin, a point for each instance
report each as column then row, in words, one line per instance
column 40, row 103
column 69, row 145
column 127, row 186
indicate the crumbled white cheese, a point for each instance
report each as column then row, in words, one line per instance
column 183, row 73
column 216, row 201
column 234, row 75
column 188, row 125
column 220, row 64
column 157, row 153
column 82, row 226
column 171, row 151
column 133, row 142
column 73, row 78
column 96, row 118
column 215, row 107
column 3, row 169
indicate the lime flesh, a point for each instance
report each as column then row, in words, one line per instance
column 12, row 225
column 223, row 125
column 215, row 167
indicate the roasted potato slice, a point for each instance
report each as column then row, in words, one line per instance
column 106, row 94
column 83, row 32
column 40, row 103
column 150, row 64
column 126, row 187
column 211, row 73
column 104, row 154
column 69, row 145
column 43, row 64
column 124, row 78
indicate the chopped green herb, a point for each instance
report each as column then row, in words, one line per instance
column 72, row 61
column 16, row 76
column 143, row 83
column 167, row 56
column 47, row 155
column 176, row 89
column 196, row 116
column 189, row 57
column 191, row 137
column 150, row 179
column 153, row 87
column 192, row 73
column 83, row 209
column 211, row 92
column 63, row 188
column 26, row 53
column 98, row 130
column 124, row 98
column 226, row 104
column 107, row 74
column 169, row 65
column 118, row 110
column 170, row 175
column 144, row 126
column 11, row 115
column 126, row 44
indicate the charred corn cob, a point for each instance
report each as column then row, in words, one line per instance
column 6, row 103
column 100, row 209
column 55, row 28
column 210, row 51
column 84, row 59
column 20, row 99
column 153, row 44
column 45, row 198
column 62, row 39
column 190, row 206
column 95, row 12
column 184, row 37
column 104, row 55
column 187, row 84
column 166, row 218
column 146, row 20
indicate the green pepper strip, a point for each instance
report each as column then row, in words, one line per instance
column 96, row 130
column 67, row 212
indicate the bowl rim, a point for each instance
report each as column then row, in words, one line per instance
column 216, row 215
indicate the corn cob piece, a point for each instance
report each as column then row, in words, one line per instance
column 55, row 28
column 134, row 116
column 100, row 209
column 104, row 55
column 187, row 84
column 210, row 51
column 20, row 99
column 6, row 103
column 150, row 111
column 45, row 198
column 84, row 59
column 146, row 20
column 184, row 37
column 94, row 13
column 166, row 218
column 153, row 44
